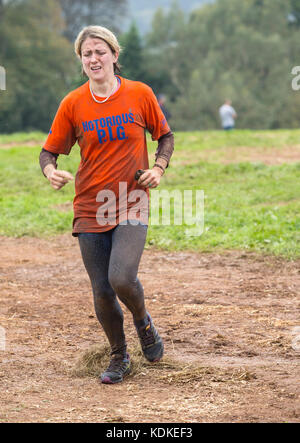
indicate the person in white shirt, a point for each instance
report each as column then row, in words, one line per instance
column 227, row 115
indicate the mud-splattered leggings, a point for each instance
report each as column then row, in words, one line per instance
column 111, row 259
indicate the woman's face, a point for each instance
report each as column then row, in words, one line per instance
column 97, row 59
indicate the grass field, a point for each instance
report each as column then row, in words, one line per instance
column 250, row 181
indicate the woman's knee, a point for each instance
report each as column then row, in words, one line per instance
column 103, row 292
column 121, row 282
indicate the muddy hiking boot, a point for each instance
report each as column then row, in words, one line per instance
column 118, row 368
column 151, row 342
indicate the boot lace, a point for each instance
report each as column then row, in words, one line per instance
column 116, row 364
column 147, row 336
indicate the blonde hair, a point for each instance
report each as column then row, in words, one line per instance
column 102, row 33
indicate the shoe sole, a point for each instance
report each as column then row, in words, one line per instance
column 158, row 358
column 109, row 381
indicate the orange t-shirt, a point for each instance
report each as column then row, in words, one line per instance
column 112, row 140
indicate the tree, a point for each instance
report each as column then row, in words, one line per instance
column 241, row 50
column 131, row 57
column 39, row 63
column 168, row 28
column 295, row 12
column 80, row 13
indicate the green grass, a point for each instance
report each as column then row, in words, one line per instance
column 22, row 137
column 221, row 139
column 248, row 206
column 28, row 204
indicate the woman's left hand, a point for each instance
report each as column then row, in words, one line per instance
column 150, row 178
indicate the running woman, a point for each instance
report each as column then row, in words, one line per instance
column 108, row 117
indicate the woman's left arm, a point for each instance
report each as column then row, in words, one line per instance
column 159, row 129
column 164, row 150
column 151, row 177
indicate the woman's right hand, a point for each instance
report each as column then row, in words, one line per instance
column 57, row 177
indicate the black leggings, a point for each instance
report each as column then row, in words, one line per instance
column 111, row 259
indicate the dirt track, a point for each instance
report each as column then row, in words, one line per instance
column 228, row 322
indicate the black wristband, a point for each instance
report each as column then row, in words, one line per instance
column 138, row 173
column 159, row 166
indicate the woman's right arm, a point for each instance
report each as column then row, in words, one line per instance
column 56, row 177
column 47, row 158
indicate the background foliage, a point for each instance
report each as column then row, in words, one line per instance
column 243, row 50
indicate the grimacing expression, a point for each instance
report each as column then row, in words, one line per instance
column 97, row 59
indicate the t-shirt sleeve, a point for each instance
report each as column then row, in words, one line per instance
column 62, row 136
column 155, row 119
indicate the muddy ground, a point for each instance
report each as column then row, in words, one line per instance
column 230, row 323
